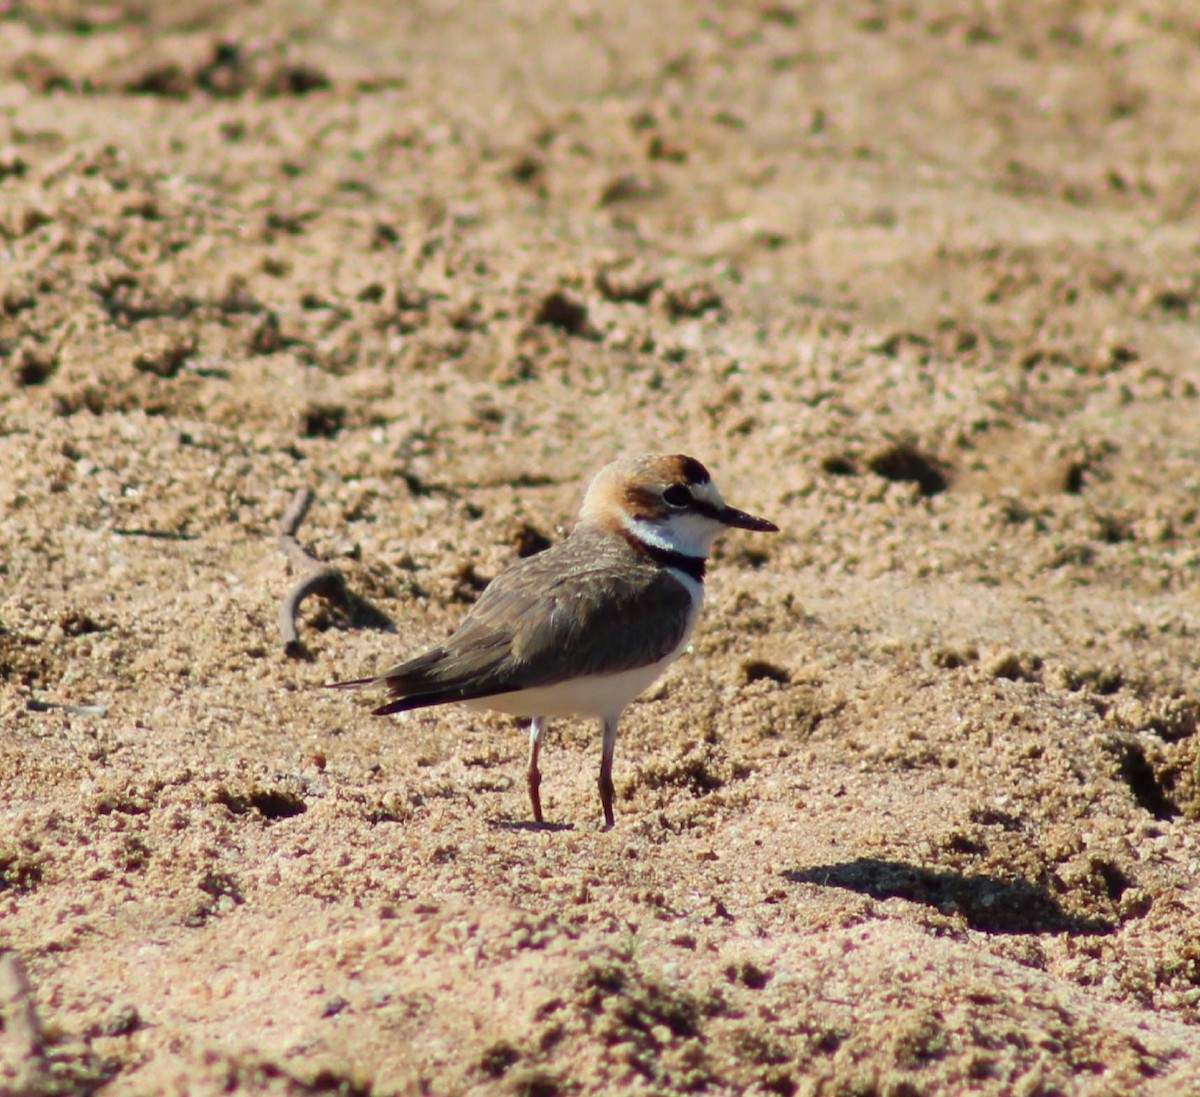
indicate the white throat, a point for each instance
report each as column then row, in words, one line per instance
column 688, row 534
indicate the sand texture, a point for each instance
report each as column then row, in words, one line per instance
column 915, row 815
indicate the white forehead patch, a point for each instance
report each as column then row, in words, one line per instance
column 707, row 492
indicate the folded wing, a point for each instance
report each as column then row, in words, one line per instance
column 579, row 609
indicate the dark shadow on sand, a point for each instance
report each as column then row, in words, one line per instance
column 365, row 615
column 989, row 903
column 528, row 824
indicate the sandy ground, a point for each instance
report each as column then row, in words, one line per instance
column 916, row 814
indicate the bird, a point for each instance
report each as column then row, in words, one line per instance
column 583, row 627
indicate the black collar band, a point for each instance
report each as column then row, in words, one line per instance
column 693, row 566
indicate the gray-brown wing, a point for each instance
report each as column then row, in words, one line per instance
column 584, row 607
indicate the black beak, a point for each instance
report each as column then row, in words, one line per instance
column 731, row 516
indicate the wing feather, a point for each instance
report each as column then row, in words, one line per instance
column 586, row 606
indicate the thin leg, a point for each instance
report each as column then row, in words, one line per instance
column 532, row 775
column 606, row 764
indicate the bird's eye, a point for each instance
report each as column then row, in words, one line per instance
column 677, row 496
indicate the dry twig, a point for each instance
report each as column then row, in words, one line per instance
column 22, row 1054
column 34, row 705
column 316, row 577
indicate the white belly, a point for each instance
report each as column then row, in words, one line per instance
column 601, row 695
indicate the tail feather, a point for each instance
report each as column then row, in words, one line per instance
column 404, row 677
column 409, row 692
column 418, row 700
column 408, row 696
column 439, row 677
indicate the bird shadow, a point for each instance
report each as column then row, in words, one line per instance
column 528, row 825
column 990, row 904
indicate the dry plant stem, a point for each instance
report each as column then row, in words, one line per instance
column 323, row 579
column 20, row 1034
column 34, row 705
